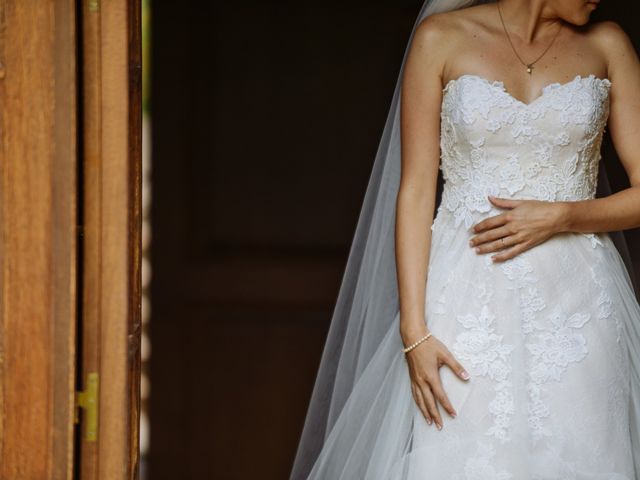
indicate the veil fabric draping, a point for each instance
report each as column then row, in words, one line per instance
column 355, row 426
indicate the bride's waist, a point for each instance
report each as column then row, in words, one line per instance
column 468, row 202
column 453, row 228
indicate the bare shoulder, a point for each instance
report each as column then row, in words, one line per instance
column 456, row 24
column 609, row 38
column 435, row 29
column 443, row 33
column 607, row 31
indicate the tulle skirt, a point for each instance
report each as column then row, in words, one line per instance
column 550, row 339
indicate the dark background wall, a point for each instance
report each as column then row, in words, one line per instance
column 266, row 118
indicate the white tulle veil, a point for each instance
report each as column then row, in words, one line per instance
column 355, row 426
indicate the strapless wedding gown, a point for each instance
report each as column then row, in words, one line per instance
column 542, row 334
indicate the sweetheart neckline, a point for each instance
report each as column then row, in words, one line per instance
column 500, row 85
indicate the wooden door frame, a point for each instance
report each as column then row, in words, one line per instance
column 112, row 224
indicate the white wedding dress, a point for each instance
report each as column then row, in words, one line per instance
column 542, row 334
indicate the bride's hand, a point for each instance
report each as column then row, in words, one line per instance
column 525, row 224
column 424, row 363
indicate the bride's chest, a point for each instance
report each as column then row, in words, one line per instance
column 574, row 112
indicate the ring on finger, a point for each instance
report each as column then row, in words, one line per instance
column 507, row 241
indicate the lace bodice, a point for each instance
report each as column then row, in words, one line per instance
column 493, row 143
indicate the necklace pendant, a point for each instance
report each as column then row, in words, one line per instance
column 529, row 69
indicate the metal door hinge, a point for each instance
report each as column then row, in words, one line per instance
column 88, row 401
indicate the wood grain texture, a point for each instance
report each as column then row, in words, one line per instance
column 64, row 239
column 91, row 127
column 112, row 249
column 37, row 238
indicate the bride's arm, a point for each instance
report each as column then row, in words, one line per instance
column 421, row 99
column 621, row 210
column 420, row 145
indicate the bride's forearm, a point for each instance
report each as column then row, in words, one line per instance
column 619, row 211
column 414, row 215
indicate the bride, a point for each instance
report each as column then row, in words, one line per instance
column 503, row 342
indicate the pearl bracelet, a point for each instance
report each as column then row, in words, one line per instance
column 415, row 344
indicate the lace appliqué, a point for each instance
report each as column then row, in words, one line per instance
column 482, row 466
column 558, row 346
column 594, row 239
column 522, row 278
column 606, row 306
column 483, row 352
column 554, row 348
column 468, row 188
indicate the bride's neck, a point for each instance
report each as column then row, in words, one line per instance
column 529, row 19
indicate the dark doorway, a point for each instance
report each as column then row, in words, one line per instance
column 266, row 119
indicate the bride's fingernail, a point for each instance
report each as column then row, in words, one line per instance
column 464, row 375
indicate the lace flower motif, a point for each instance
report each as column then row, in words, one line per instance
column 483, row 352
column 556, row 348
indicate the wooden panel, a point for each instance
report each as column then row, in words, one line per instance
column 37, row 238
column 112, row 204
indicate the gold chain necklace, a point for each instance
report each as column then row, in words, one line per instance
column 528, row 66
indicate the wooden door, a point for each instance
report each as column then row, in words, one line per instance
column 111, row 197
column 38, row 247
column 69, row 238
